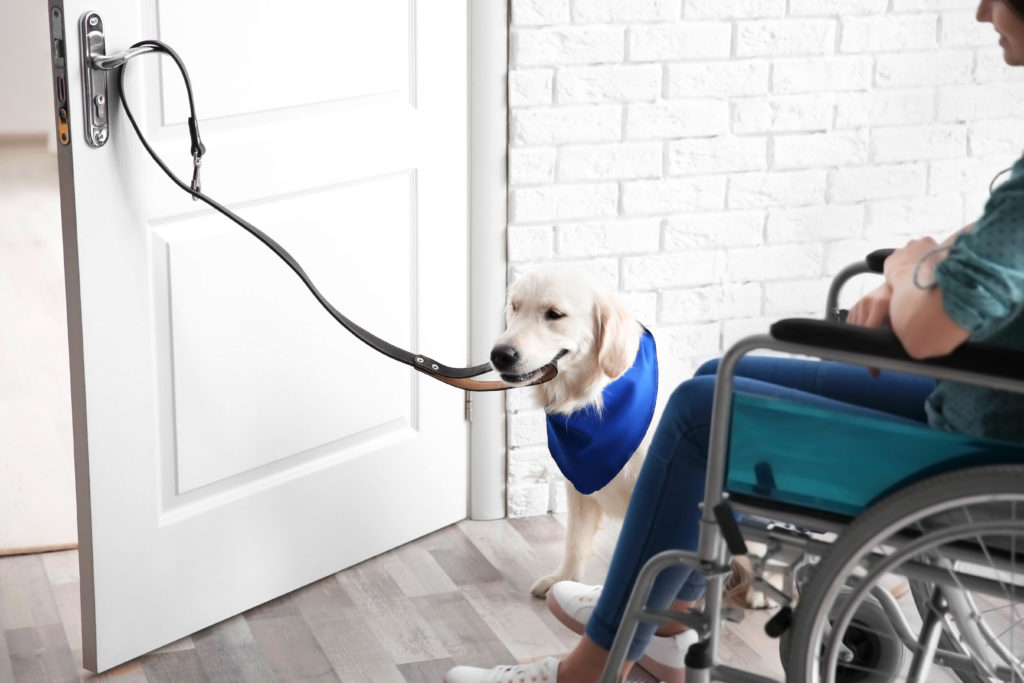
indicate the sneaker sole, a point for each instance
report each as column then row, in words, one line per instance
column 660, row 671
column 563, row 616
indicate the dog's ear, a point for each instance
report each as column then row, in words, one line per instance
column 616, row 345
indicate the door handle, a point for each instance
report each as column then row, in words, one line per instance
column 94, row 80
column 96, row 63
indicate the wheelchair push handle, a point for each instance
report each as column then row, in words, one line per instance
column 872, row 263
column 875, row 261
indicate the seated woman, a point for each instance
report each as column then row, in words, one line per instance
column 934, row 298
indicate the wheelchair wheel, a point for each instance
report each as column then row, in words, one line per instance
column 960, row 538
column 873, row 648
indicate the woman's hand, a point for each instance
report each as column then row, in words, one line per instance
column 873, row 309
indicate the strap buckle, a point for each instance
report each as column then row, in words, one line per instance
column 198, row 150
column 197, row 161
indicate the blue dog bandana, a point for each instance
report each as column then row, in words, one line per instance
column 590, row 447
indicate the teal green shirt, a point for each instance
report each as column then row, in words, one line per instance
column 982, row 283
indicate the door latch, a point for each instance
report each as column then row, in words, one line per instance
column 94, row 80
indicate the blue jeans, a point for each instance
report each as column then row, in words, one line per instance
column 663, row 512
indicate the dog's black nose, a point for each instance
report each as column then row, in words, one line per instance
column 504, row 356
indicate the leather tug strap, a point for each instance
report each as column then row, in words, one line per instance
column 457, row 377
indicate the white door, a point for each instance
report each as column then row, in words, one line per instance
column 232, row 441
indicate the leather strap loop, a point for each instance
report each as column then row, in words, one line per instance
column 470, row 384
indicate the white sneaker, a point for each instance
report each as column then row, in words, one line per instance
column 544, row 671
column 665, row 656
column 572, row 603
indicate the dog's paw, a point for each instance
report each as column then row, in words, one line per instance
column 543, row 585
column 756, row 600
column 740, row 591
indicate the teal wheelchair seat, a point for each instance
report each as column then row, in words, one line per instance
column 787, row 455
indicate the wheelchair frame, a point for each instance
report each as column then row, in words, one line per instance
column 828, row 339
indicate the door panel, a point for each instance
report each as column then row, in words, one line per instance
column 232, row 441
column 369, row 45
column 238, row 323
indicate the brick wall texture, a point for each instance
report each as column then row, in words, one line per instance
column 716, row 161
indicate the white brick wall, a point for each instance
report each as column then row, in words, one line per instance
column 716, row 161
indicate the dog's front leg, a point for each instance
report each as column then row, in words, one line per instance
column 584, row 514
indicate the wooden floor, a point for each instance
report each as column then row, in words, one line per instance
column 457, row 596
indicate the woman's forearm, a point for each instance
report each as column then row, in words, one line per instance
column 919, row 319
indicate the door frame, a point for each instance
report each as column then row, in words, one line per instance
column 488, row 254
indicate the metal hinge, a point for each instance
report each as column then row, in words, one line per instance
column 469, row 407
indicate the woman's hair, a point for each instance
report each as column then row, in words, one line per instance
column 1017, row 6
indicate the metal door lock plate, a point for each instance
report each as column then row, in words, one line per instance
column 94, row 80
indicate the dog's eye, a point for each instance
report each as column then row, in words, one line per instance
column 515, row 307
column 552, row 314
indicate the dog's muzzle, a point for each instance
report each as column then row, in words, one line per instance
column 505, row 358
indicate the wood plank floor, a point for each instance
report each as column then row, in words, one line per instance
column 457, row 596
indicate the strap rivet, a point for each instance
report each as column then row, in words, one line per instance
column 419, row 359
column 434, row 366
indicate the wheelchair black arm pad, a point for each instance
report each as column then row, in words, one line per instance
column 876, row 259
column 971, row 356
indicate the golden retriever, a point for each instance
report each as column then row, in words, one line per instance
column 564, row 315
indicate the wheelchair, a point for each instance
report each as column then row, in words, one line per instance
column 846, row 505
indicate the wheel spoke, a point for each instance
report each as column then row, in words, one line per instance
column 949, row 534
column 996, row 572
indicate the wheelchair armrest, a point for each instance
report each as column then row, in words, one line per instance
column 971, row 357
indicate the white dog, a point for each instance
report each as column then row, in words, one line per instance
column 564, row 315
column 559, row 314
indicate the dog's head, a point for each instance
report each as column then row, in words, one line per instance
column 563, row 315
